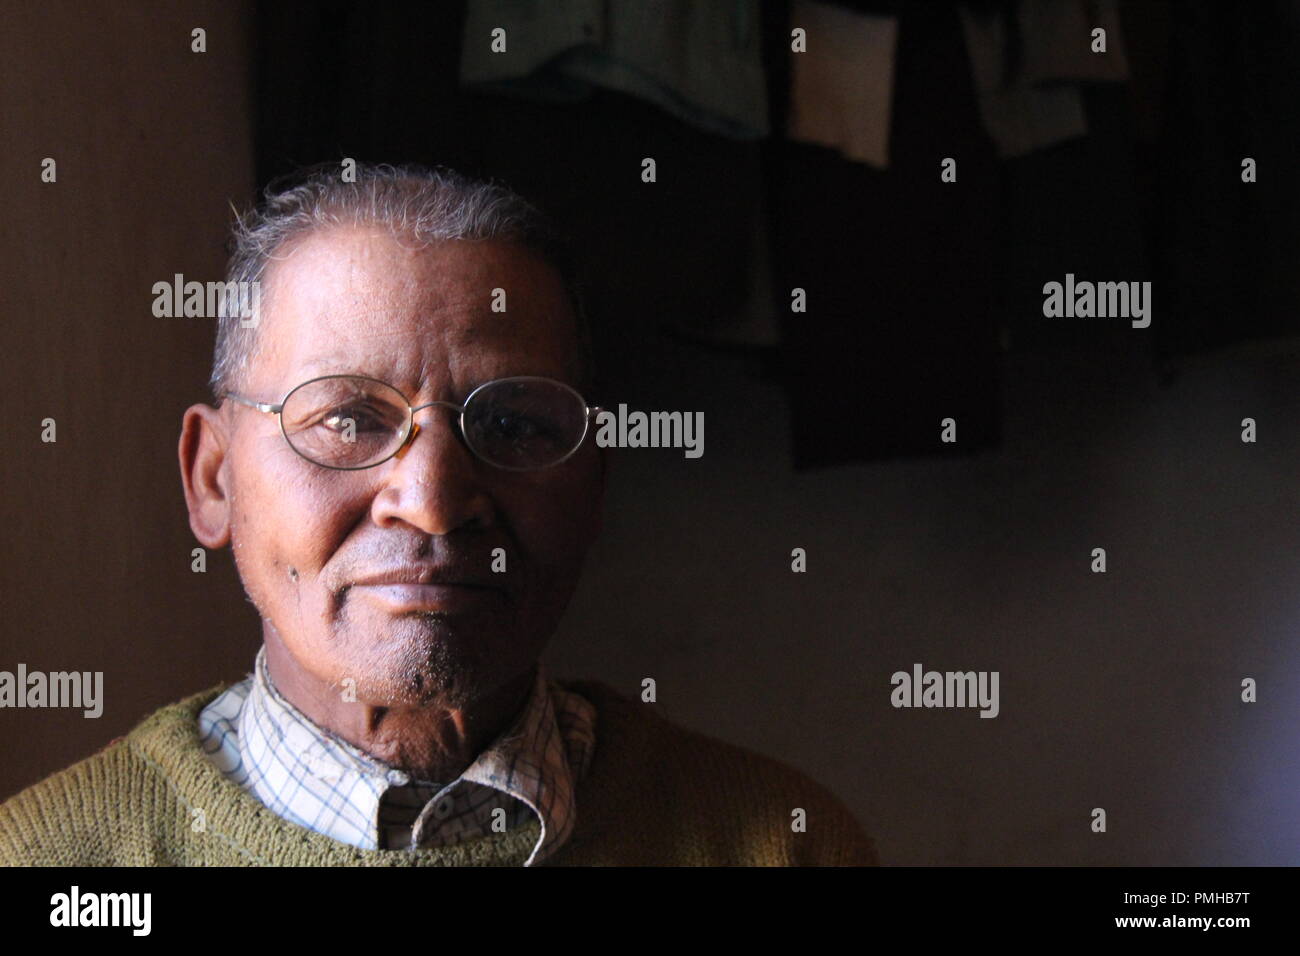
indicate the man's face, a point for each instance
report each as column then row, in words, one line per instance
column 324, row 554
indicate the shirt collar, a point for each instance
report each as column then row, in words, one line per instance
column 309, row 775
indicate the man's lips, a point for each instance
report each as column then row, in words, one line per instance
column 428, row 574
column 413, row 588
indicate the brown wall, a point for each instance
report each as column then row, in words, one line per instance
column 151, row 142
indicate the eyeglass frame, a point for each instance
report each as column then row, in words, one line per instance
column 412, row 427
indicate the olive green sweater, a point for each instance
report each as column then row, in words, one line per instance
column 656, row 794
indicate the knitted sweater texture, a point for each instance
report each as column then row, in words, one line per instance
column 655, row 795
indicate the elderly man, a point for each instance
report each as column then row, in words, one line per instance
column 402, row 460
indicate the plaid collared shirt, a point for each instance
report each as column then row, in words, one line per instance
column 308, row 776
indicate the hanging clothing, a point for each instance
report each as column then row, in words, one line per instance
column 899, row 332
column 701, row 62
column 842, row 87
column 1027, row 60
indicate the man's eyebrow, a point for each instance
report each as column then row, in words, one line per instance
column 346, row 363
column 400, row 377
column 334, row 365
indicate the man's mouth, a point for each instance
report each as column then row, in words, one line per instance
column 426, row 588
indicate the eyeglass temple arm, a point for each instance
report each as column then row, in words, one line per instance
column 260, row 406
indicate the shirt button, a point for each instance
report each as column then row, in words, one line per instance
column 397, row 778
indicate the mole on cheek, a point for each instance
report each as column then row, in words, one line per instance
column 293, row 573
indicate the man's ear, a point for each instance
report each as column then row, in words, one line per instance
column 202, row 452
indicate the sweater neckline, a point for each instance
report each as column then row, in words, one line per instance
column 168, row 741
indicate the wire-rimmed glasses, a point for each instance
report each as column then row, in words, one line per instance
column 350, row 422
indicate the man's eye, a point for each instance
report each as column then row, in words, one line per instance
column 515, row 427
column 360, row 419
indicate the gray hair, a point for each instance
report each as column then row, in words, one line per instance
column 428, row 204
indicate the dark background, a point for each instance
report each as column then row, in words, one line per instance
column 1119, row 690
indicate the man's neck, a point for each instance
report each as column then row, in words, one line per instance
column 430, row 743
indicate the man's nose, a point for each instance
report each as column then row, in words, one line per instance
column 434, row 483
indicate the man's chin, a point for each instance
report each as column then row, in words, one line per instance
column 428, row 659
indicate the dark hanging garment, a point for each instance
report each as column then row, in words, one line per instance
column 899, row 332
column 1229, row 251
